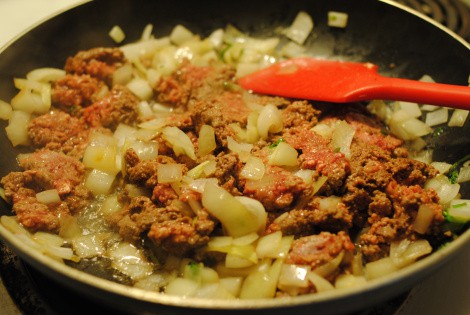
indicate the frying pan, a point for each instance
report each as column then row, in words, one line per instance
column 382, row 32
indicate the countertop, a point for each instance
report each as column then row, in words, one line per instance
column 446, row 292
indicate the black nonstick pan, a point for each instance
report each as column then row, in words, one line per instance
column 401, row 42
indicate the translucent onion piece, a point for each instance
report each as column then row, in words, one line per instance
column 380, row 268
column 123, row 75
column 443, row 187
column 437, row 117
column 236, row 219
column 140, row 88
column 256, row 208
column 129, row 260
column 101, row 153
column 232, row 285
column 5, row 110
column 320, row 283
column 253, row 169
column 262, row 283
column 124, row 132
column 182, row 287
column 306, row 175
column 406, row 252
column 213, row 291
column 269, row 121
column 268, row 245
column 283, row 155
column 180, row 34
column 349, row 281
column 242, row 149
column 200, row 183
column 442, row 167
column 337, row 19
column 294, row 275
column 87, row 246
column 329, row 267
column 412, row 109
column 16, row 130
column 179, row 141
column 458, row 118
column 464, row 174
column 423, row 219
column 206, row 140
column 236, row 261
column 117, row 34
column 45, row 74
column 300, row 28
column 460, row 209
column 98, row 182
column 169, row 173
column 146, row 150
column 48, row 196
column 29, row 102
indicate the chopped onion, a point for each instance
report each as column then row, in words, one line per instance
column 429, row 108
column 242, row 149
column 460, row 209
column 458, row 118
column 245, row 239
column 253, row 169
column 380, row 268
column 87, row 246
column 111, row 205
column 206, row 140
column 182, row 287
column 140, row 88
column 300, row 28
column 331, row 266
column 236, row 218
column 283, row 155
column 48, row 196
column 200, row 183
column 424, row 156
column 437, row 117
column 98, row 182
column 154, row 124
column 256, row 208
column 124, row 132
column 292, row 50
column 294, row 275
column 30, row 102
column 147, row 32
column 101, row 153
column 169, row 173
column 337, row 19
column 268, row 245
column 235, row 261
column 179, row 141
column 17, row 129
column 406, row 252
column 180, row 34
column 232, row 284
column 146, row 150
column 412, row 109
column 306, row 175
column 342, row 137
column 464, row 174
column 262, row 283
column 349, row 281
column 117, row 34
column 443, row 187
column 5, row 110
column 442, row 167
column 129, row 260
column 12, row 224
column 423, row 219
column 320, row 283
column 269, row 121
column 48, row 238
column 46, row 74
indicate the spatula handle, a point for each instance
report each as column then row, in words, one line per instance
column 455, row 96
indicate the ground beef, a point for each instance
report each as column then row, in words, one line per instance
column 54, row 129
column 35, row 215
column 316, row 250
column 228, row 166
column 97, row 62
column 300, row 114
column 312, row 218
column 73, row 92
column 53, row 170
column 118, row 106
column 317, row 155
column 278, row 189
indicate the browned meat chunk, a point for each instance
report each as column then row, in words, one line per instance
column 300, row 114
column 73, row 92
column 97, row 62
column 316, row 250
column 118, row 106
column 53, row 170
column 53, row 129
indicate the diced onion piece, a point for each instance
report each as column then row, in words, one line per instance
column 98, row 182
column 283, row 155
column 417, row 144
column 12, row 224
column 380, row 109
column 245, row 68
column 232, row 285
column 412, row 109
column 300, row 28
column 154, row 124
column 144, row 110
column 294, row 275
column 337, row 19
column 460, row 209
column 292, row 50
column 415, row 128
column 429, row 108
column 101, row 153
column 146, row 150
column 253, row 169
column 110, row 205
column 129, row 260
column 220, row 242
column 182, row 287
column 117, row 34
column 306, row 175
column 330, row 267
column 5, row 110
column 235, row 261
column 269, row 121
column 437, row 117
column 349, row 281
column 30, row 102
column 443, row 187
column 458, row 118
column 442, row 167
column 147, row 32
column 242, row 149
column 46, row 74
column 320, row 283
column 140, row 88
column 464, row 174
column 17, row 129
column 423, row 219
column 268, row 245
column 179, row 141
column 427, row 78
column 87, row 246
column 169, row 173
column 262, row 283
column 406, row 252
column 180, row 34
column 245, row 239
column 256, row 208
column 123, row 75
column 48, row 238
column 380, row 268
column 124, row 132
column 342, row 137
column 48, row 196
column 236, row 218
column 199, row 170
column 424, row 156
column 206, row 140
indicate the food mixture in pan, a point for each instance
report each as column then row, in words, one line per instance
column 150, row 161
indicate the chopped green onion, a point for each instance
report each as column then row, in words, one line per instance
column 463, row 204
column 438, row 131
column 453, row 173
column 275, row 144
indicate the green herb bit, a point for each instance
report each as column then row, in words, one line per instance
column 275, row 144
column 438, row 131
column 337, row 150
column 459, row 205
column 453, row 173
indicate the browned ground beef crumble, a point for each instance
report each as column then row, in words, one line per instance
column 379, row 189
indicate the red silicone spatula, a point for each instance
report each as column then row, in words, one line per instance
column 343, row 82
